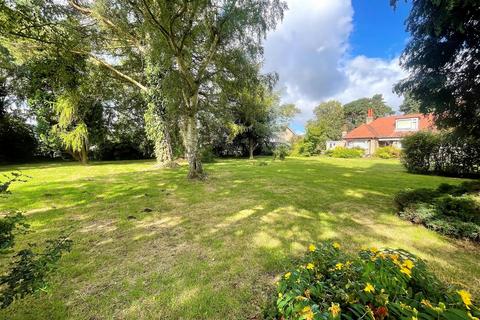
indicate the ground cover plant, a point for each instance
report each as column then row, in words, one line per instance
column 150, row 244
column 375, row 284
column 450, row 209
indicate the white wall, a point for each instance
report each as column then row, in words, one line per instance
column 358, row 144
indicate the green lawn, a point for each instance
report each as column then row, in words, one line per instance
column 213, row 249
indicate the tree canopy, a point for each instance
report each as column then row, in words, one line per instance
column 179, row 55
column 442, row 60
column 356, row 111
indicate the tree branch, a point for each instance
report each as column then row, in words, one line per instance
column 108, row 22
column 113, row 69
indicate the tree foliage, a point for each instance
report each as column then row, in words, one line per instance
column 327, row 125
column 198, row 47
column 442, row 60
column 409, row 105
column 356, row 111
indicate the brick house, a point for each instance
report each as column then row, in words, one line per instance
column 384, row 131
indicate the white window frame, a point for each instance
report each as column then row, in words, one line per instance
column 413, row 124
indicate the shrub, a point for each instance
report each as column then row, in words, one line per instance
column 404, row 198
column 17, row 140
column 419, row 213
column 464, row 207
column 301, row 147
column 207, row 155
column 418, row 151
column 454, row 228
column 441, row 153
column 388, row 152
column 452, row 210
column 281, row 151
column 375, row 284
column 342, row 152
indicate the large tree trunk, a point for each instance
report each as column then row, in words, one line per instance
column 83, row 155
column 163, row 147
column 190, row 140
column 157, row 131
column 251, row 148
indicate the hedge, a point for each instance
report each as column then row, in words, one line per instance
column 441, row 153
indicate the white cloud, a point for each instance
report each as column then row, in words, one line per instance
column 309, row 50
column 369, row 76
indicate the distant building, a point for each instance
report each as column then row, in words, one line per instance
column 286, row 136
column 385, row 131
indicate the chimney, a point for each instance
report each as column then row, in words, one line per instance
column 369, row 116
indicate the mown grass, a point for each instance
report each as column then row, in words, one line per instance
column 213, row 249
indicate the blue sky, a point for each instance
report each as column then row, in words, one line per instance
column 337, row 49
column 378, row 30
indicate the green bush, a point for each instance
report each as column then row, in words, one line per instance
column 281, row 151
column 406, row 197
column 17, row 140
column 342, row 152
column 441, row 153
column 303, row 148
column 207, row 155
column 418, row 151
column 453, row 210
column 465, row 207
column 388, row 152
column 375, row 284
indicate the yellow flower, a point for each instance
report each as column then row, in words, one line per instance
column 406, row 271
column 310, row 266
column 339, row 266
column 287, row 275
column 311, row 247
column 394, row 256
column 336, row 245
column 335, row 309
column 280, row 295
column 397, row 262
column 369, row 288
column 426, row 303
column 408, row 264
column 373, row 250
column 308, row 313
column 466, row 298
column 348, row 263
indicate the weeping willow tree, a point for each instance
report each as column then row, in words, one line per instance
column 71, row 128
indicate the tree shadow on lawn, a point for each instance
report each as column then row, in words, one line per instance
column 215, row 248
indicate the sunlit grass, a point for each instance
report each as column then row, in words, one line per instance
column 211, row 250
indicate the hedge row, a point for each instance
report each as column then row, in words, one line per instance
column 441, row 153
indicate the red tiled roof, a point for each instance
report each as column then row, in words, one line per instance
column 385, row 127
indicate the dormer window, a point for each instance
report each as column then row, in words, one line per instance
column 409, row 124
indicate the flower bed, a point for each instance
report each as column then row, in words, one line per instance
column 451, row 210
column 376, row 284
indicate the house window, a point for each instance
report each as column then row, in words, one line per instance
column 410, row 124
